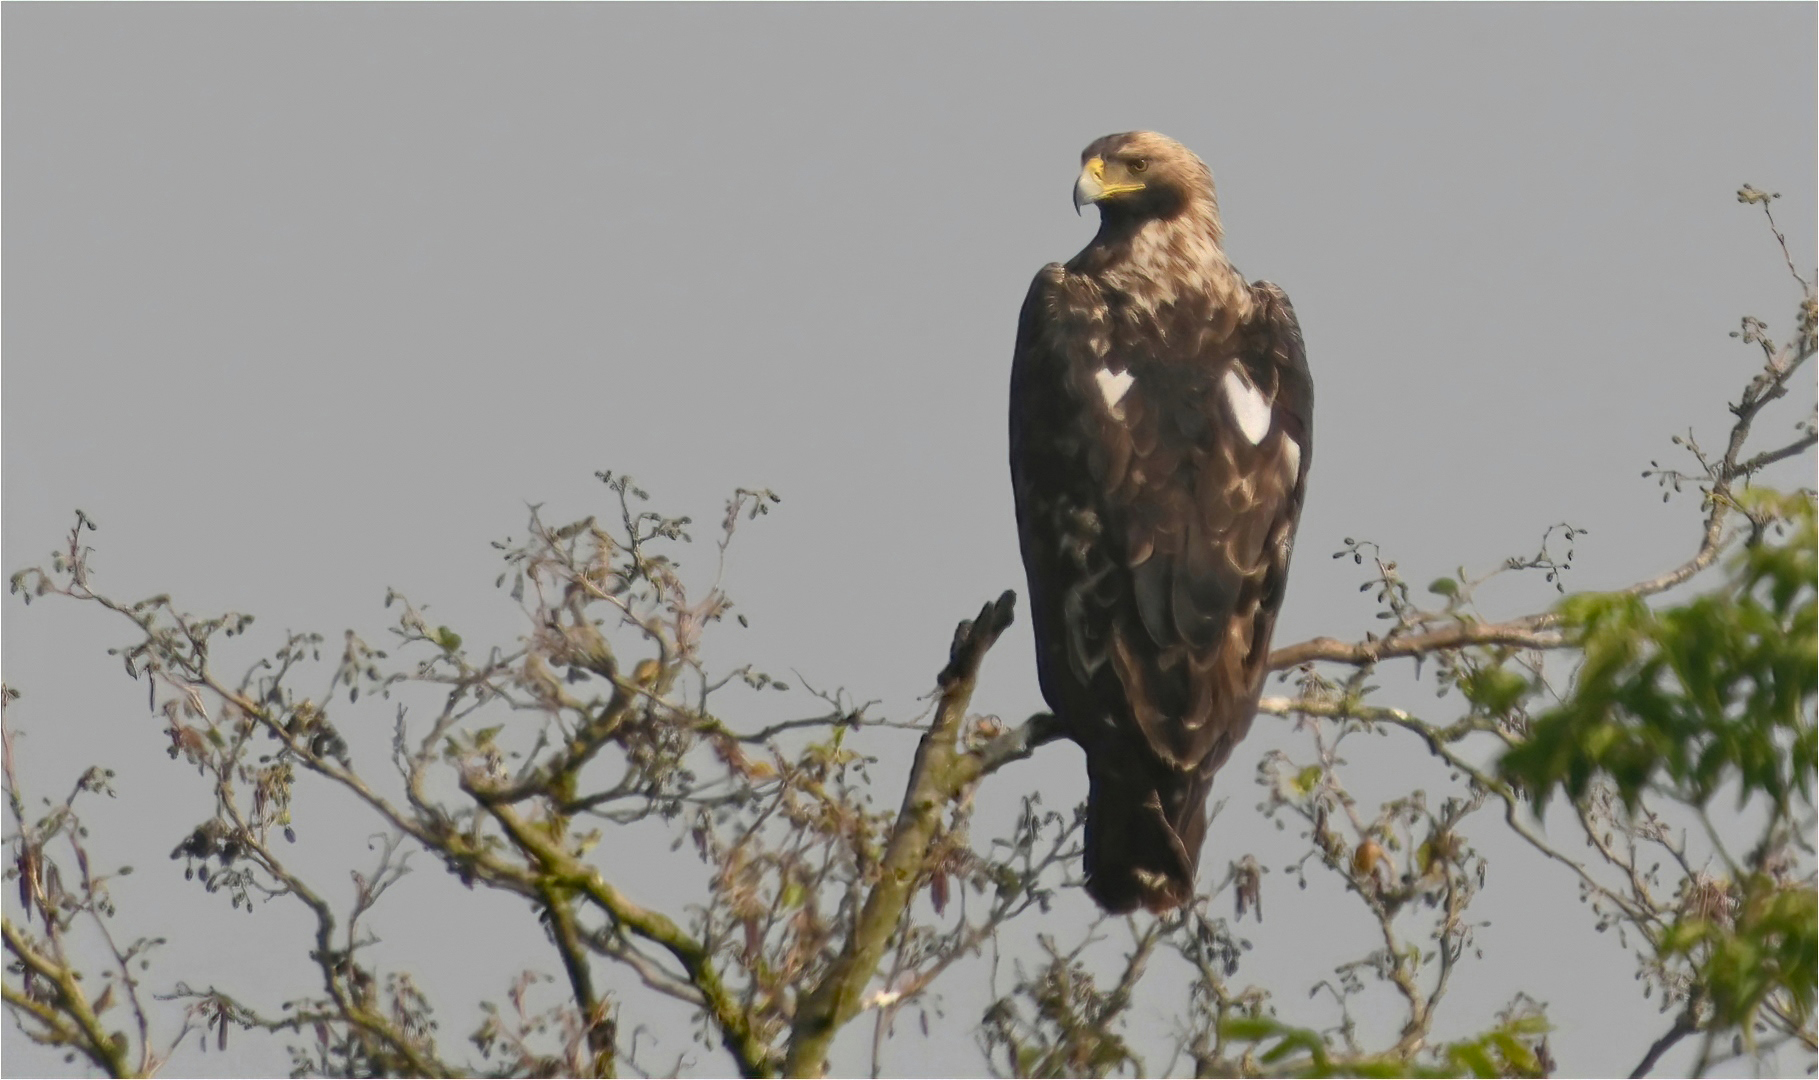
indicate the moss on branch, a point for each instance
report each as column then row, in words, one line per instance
column 933, row 784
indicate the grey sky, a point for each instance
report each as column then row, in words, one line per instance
column 305, row 302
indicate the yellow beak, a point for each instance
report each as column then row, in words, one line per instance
column 1092, row 188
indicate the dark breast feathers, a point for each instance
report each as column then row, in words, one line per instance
column 1158, row 458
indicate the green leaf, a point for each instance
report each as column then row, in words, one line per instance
column 1306, row 780
column 1688, row 699
column 1250, row 1028
column 1495, row 689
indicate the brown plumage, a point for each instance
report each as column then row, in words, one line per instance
column 1161, row 430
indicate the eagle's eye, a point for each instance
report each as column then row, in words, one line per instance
column 1139, row 164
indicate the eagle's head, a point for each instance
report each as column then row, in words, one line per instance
column 1138, row 175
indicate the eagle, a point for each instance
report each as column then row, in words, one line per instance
column 1161, row 429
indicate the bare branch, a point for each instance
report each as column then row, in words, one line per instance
column 68, row 1018
column 1684, row 1024
column 838, row 997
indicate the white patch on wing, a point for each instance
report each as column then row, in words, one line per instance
column 1114, row 386
column 1248, row 407
column 1291, row 454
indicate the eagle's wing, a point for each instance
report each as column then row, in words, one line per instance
column 1158, row 483
column 1053, row 434
column 1206, row 511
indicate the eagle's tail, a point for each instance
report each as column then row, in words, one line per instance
column 1144, row 826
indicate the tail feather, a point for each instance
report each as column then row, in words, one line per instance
column 1144, row 826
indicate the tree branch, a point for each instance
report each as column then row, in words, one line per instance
column 736, row 1034
column 1541, row 631
column 1684, row 1025
column 1769, row 457
column 1014, row 745
column 87, row 1034
column 839, row 995
column 580, row 978
column 1439, row 742
column 336, row 965
column 1528, row 632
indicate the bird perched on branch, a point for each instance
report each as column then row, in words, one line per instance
column 1161, row 430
